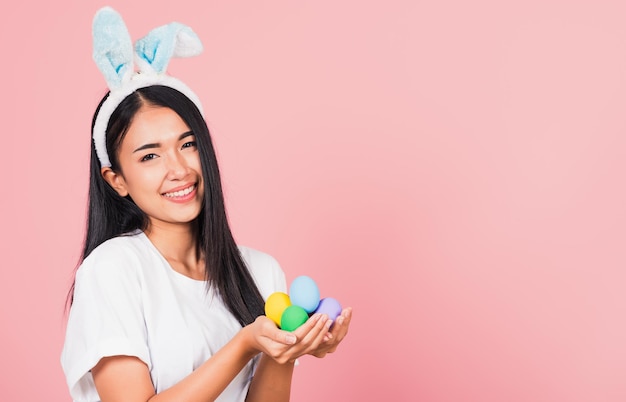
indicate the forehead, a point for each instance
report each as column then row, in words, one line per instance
column 154, row 124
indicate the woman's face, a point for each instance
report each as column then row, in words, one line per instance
column 160, row 167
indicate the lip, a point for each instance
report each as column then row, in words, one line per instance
column 182, row 198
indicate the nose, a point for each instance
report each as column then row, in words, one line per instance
column 176, row 166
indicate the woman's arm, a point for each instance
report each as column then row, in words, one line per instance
column 271, row 381
column 272, row 378
column 127, row 378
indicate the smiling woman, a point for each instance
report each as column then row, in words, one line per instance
column 165, row 305
column 162, row 173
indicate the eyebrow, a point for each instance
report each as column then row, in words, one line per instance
column 157, row 144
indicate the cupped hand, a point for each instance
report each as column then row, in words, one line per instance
column 284, row 346
column 336, row 334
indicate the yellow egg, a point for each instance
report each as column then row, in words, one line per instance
column 275, row 305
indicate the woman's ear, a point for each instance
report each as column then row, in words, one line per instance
column 115, row 180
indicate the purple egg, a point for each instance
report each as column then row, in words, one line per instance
column 330, row 307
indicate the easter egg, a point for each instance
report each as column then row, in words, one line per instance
column 330, row 307
column 293, row 317
column 304, row 292
column 276, row 305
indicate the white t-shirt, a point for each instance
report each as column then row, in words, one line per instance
column 129, row 301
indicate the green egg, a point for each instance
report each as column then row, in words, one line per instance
column 293, row 317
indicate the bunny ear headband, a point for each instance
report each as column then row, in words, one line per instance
column 114, row 56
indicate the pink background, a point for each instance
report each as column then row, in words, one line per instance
column 453, row 170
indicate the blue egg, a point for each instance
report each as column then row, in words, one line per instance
column 304, row 292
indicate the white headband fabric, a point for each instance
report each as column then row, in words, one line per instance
column 115, row 58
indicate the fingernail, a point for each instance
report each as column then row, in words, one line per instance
column 290, row 339
column 340, row 319
column 328, row 323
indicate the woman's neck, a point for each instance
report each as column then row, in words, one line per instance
column 178, row 244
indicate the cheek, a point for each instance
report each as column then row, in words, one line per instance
column 196, row 165
column 143, row 181
column 193, row 161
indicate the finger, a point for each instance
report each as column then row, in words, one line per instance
column 346, row 313
column 322, row 334
column 294, row 343
column 340, row 328
column 278, row 335
column 303, row 337
column 268, row 329
column 310, row 333
column 308, row 326
column 316, row 336
column 285, row 337
column 305, row 328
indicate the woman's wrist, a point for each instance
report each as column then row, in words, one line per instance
column 246, row 343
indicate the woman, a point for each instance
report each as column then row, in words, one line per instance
column 165, row 305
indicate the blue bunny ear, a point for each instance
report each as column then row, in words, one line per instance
column 155, row 50
column 112, row 47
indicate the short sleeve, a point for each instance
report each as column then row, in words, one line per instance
column 265, row 271
column 106, row 317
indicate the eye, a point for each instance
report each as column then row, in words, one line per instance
column 149, row 157
column 190, row 144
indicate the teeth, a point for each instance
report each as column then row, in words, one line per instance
column 180, row 193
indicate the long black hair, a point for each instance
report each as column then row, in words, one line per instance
column 110, row 215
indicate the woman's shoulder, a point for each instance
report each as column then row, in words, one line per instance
column 118, row 253
column 258, row 258
column 131, row 243
column 265, row 270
